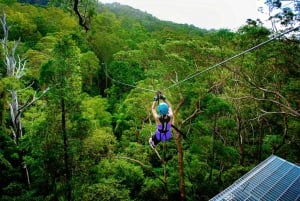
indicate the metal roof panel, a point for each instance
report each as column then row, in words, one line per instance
column 272, row 179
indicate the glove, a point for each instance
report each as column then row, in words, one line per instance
column 162, row 97
column 155, row 98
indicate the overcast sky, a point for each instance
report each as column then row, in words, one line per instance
column 206, row 14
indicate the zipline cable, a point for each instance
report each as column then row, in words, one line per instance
column 125, row 84
column 207, row 69
column 229, row 59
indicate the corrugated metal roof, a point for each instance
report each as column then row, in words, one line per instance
column 271, row 180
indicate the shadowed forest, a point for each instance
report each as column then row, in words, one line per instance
column 77, row 82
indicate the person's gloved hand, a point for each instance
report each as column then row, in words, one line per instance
column 155, row 98
column 162, row 97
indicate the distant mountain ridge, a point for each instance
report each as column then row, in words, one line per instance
column 150, row 22
column 147, row 20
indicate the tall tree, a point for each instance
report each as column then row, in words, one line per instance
column 62, row 75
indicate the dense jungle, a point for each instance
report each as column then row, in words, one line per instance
column 77, row 81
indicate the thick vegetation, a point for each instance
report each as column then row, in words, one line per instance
column 75, row 114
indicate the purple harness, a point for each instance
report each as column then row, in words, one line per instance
column 163, row 130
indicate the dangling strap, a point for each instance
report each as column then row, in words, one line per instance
column 179, row 131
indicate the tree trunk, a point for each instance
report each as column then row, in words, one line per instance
column 180, row 154
column 165, row 173
column 213, row 148
column 66, row 156
column 275, row 147
column 2, row 106
column 14, row 68
column 240, row 136
column 180, row 165
column 260, row 140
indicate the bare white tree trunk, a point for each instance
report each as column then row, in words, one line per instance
column 15, row 68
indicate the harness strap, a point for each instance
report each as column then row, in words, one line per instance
column 179, row 131
column 164, row 122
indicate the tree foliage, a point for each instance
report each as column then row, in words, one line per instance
column 87, row 137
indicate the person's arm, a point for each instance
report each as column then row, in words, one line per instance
column 153, row 109
column 170, row 107
column 170, row 111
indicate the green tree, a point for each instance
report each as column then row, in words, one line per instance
column 62, row 75
column 282, row 13
column 89, row 67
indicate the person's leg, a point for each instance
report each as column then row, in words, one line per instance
column 153, row 141
column 167, row 136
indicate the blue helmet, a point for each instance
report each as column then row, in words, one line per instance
column 163, row 108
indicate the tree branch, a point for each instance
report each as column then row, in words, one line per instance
column 196, row 111
column 289, row 110
column 82, row 21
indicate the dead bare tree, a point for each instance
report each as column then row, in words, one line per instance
column 15, row 68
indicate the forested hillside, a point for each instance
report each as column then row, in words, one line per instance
column 75, row 104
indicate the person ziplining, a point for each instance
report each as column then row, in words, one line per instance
column 164, row 120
